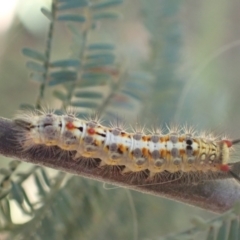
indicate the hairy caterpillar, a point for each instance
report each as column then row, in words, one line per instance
column 175, row 151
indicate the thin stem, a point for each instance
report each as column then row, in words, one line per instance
column 47, row 55
column 81, row 57
column 194, row 230
column 114, row 88
column 134, row 214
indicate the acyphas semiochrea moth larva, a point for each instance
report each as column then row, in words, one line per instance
column 175, row 151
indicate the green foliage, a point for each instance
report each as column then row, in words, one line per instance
column 163, row 21
column 223, row 227
column 95, row 64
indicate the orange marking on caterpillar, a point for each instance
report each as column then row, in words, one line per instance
column 70, row 126
column 182, row 151
column 228, row 143
column 225, row 168
column 163, row 153
column 181, row 139
column 144, row 138
column 145, row 152
column 121, row 148
column 162, row 139
column 91, row 131
column 123, row 134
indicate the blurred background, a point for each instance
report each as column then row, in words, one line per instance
column 192, row 50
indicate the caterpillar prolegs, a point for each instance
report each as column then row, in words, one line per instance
column 172, row 152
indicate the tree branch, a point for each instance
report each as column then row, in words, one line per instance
column 216, row 195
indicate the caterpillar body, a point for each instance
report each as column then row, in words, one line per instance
column 176, row 151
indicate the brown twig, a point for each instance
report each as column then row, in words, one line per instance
column 216, row 195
